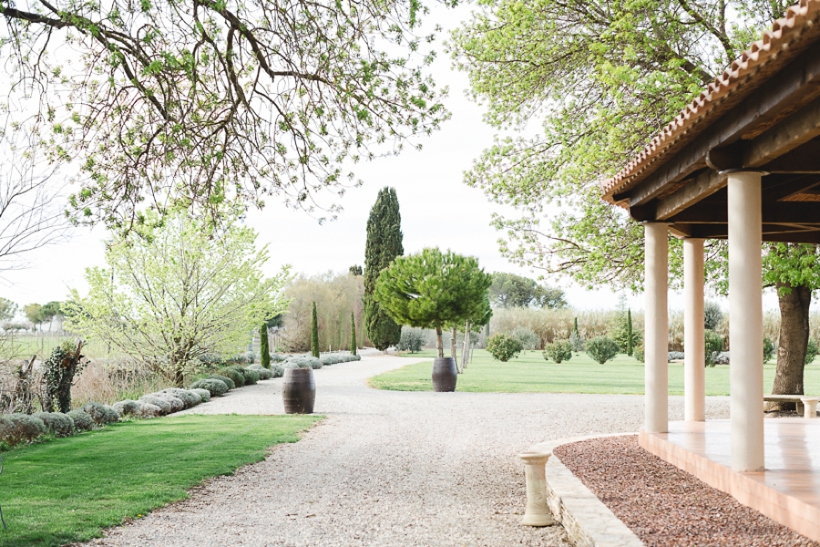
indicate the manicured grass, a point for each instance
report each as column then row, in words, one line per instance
column 531, row 373
column 68, row 489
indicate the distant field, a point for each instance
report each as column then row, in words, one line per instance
column 22, row 346
column 531, row 373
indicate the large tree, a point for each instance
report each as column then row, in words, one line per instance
column 203, row 101
column 515, row 291
column 176, row 291
column 600, row 80
column 384, row 244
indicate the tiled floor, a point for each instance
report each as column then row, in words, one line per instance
column 788, row 491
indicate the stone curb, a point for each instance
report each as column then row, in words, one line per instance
column 588, row 522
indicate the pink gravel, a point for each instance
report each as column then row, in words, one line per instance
column 665, row 506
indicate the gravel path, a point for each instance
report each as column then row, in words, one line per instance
column 387, row 468
column 665, row 506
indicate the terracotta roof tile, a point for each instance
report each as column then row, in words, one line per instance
column 704, row 109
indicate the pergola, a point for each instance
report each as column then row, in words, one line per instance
column 741, row 162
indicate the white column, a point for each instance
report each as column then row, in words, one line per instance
column 694, row 383
column 657, row 329
column 746, row 320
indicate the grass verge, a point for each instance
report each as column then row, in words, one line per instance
column 531, row 373
column 67, row 490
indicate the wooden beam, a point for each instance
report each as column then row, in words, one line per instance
column 770, row 233
column 787, row 186
column 791, row 88
column 704, row 185
column 802, row 157
column 795, row 212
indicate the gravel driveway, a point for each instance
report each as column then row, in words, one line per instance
column 387, row 468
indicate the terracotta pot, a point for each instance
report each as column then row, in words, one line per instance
column 445, row 374
column 298, row 391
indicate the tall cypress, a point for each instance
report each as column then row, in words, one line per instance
column 264, row 349
column 384, row 244
column 352, row 334
column 314, row 333
column 629, row 348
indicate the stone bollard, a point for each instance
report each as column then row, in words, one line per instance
column 809, row 406
column 537, row 514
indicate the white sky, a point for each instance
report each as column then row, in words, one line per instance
column 437, row 209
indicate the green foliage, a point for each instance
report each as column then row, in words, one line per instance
column 127, row 407
column 768, row 350
column 514, row 291
column 638, row 353
column 277, row 370
column 504, row 347
column 577, row 340
column 151, row 313
column 383, row 245
column 712, row 344
column 811, row 350
column 314, row 333
column 19, row 428
column 235, row 374
column 529, row 340
column 264, row 349
column 602, row 349
column 251, row 377
column 432, row 289
column 162, row 403
column 624, row 335
column 303, row 361
column 224, row 379
column 356, row 270
column 353, row 340
column 106, row 478
column 101, row 414
column 412, row 339
column 204, row 394
column 82, row 421
column 8, row 309
column 59, row 370
column 559, row 351
column 57, row 423
column 712, row 316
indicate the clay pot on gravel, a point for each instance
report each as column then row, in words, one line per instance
column 445, row 374
column 298, row 391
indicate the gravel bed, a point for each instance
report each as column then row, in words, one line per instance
column 387, row 468
column 665, row 506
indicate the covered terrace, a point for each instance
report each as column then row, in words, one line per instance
column 742, row 163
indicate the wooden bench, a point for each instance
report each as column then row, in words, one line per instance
column 807, row 406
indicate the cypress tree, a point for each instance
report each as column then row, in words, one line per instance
column 629, row 347
column 576, row 326
column 314, row 333
column 384, row 243
column 264, row 350
column 352, row 334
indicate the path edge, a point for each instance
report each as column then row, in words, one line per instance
column 587, row 521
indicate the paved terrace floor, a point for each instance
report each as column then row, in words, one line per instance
column 387, row 468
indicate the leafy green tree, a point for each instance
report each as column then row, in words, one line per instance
column 602, row 349
column 384, row 244
column 353, row 340
column 601, row 82
column 432, row 289
column 504, row 347
column 356, row 270
column 8, row 309
column 235, row 100
column 314, row 333
column 559, row 351
column 264, row 348
column 181, row 289
column 515, row 291
column 32, row 312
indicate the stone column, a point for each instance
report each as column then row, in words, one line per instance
column 694, row 383
column 538, row 512
column 656, row 320
column 746, row 320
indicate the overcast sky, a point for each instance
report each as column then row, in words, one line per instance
column 437, row 209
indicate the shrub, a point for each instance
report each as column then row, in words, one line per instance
column 188, row 398
column 712, row 316
column 277, row 370
column 811, row 350
column 82, row 421
column 277, row 358
column 412, row 339
column 17, row 428
column 224, row 379
column 251, row 377
column 768, row 350
column 127, row 407
column 303, row 361
column 235, row 374
column 215, row 387
column 576, row 339
column 637, row 353
column 504, row 347
column 602, row 349
column 264, row 373
column 674, row 355
column 712, row 344
column 147, row 410
column 57, row 423
column 176, row 403
column 96, row 411
column 204, row 394
column 164, row 405
column 529, row 340
column 559, row 351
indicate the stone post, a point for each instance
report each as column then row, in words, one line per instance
column 538, row 513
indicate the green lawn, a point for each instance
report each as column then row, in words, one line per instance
column 68, row 489
column 531, row 373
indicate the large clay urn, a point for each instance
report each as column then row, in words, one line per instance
column 445, row 374
column 298, row 391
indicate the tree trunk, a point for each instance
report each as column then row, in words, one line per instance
column 439, row 342
column 466, row 351
column 453, row 351
column 791, row 349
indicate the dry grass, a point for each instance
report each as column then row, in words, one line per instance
column 108, row 383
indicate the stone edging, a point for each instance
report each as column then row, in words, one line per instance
column 588, row 522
